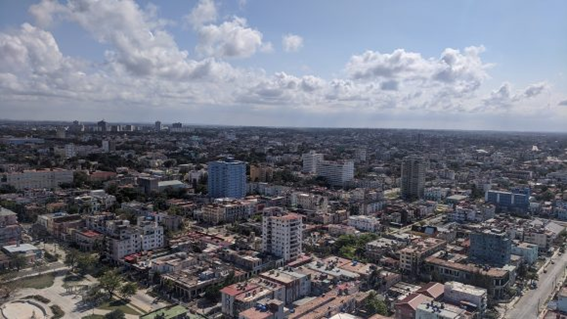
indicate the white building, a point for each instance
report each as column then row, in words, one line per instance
column 309, row 201
column 435, row 310
column 310, row 162
column 528, row 251
column 31, row 179
column 282, row 233
column 364, row 223
column 472, row 213
column 336, row 173
column 456, row 292
column 70, row 151
column 435, row 193
column 124, row 239
column 95, row 201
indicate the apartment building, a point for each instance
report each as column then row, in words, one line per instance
column 228, row 210
column 309, row 201
column 31, row 179
column 466, row 296
column 412, row 257
column 336, row 173
column 282, row 233
column 226, row 179
column 311, row 161
column 365, row 223
column 490, row 247
column 261, row 173
column 10, row 231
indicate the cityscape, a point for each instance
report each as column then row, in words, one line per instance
column 214, row 159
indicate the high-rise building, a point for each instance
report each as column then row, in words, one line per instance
column 490, row 247
column 336, row 173
column 102, row 126
column 282, row 233
column 108, row 146
column 226, row 179
column 413, row 177
column 310, row 162
column 177, row 125
column 158, row 126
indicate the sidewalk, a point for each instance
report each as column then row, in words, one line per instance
column 37, row 273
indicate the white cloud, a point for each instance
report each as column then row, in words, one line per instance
column 232, row 39
column 145, row 68
column 204, row 12
column 535, row 89
column 292, row 43
column 464, row 72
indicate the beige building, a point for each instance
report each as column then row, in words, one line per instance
column 261, row 173
column 46, row 178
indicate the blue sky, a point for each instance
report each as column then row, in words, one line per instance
column 426, row 64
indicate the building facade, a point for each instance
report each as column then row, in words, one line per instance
column 282, row 233
column 32, row 179
column 227, row 179
column 311, row 161
column 413, row 178
column 490, row 247
column 336, row 173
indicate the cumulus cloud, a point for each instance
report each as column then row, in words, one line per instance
column 204, row 12
column 144, row 66
column 562, row 103
column 463, row 71
column 292, row 42
column 232, row 39
column 535, row 89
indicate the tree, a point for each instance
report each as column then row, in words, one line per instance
column 375, row 305
column 110, row 281
column 71, row 258
column 128, row 290
column 86, row 263
column 18, row 261
column 115, row 314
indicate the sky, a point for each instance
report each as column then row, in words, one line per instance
column 498, row 65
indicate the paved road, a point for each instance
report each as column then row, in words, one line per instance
column 527, row 306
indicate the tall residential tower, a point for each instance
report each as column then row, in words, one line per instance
column 227, row 179
column 413, row 177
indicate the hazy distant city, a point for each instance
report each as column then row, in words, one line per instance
column 251, row 159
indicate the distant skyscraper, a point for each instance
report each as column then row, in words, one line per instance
column 102, row 126
column 158, row 126
column 413, row 177
column 177, row 125
column 227, row 179
column 310, row 161
column 282, row 233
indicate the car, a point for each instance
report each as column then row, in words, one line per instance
column 545, row 271
column 552, row 262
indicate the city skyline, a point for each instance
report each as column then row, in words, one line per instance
column 485, row 66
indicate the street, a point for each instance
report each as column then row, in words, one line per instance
column 533, row 301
